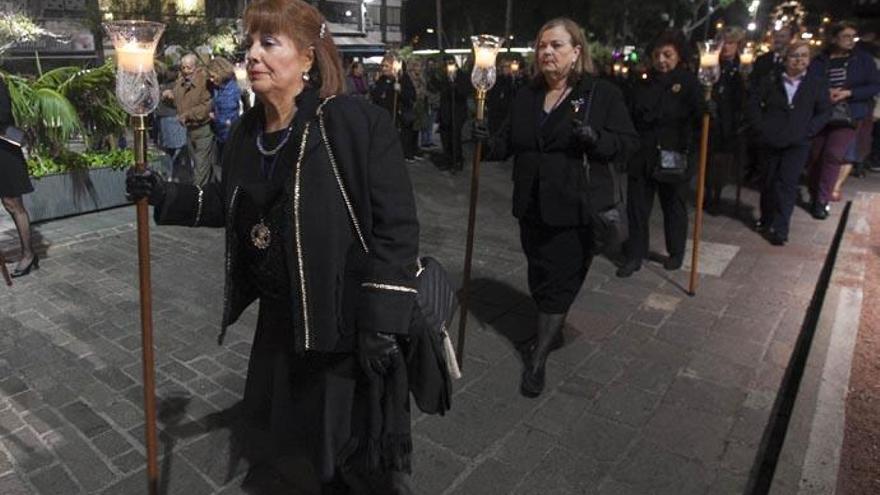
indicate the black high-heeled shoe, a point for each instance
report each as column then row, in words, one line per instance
column 33, row 265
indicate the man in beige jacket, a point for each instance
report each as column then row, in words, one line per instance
column 192, row 98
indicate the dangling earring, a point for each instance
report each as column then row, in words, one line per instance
column 305, row 77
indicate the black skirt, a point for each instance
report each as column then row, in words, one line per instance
column 299, row 408
column 14, row 179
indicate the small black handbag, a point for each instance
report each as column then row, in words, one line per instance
column 841, row 115
column 13, row 135
column 671, row 166
column 610, row 227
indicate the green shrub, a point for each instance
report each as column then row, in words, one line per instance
column 41, row 166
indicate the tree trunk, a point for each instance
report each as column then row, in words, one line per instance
column 439, row 6
column 383, row 20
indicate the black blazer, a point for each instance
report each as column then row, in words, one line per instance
column 382, row 94
column 764, row 66
column 666, row 110
column 370, row 164
column 778, row 124
column 549, row 160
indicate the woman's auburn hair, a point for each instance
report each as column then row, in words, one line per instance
column 583, row 64
column 301, row 22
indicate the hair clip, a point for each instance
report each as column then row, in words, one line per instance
column 323, row 30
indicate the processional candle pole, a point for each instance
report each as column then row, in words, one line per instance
column 746, row 63
column 709, row 73
column 397, row 66
column 138, row 92
column 483, row 78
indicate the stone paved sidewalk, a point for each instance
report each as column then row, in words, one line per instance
column 654, row 392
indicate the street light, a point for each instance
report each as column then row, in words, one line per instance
column 709, row 73
column 483, row 78
column 138, row 92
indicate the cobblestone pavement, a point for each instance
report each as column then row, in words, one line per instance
column 654, row 391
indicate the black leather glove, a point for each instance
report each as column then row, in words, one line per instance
column 147, row 184
column 584, row 133
column 481, row 130
column 376, row 350
column 712, row 109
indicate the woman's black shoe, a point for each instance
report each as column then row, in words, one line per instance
column 820, row 211
column 33, row 265
column 628, row 268
column 673, row 262
column 549, row 326
column 777, row 239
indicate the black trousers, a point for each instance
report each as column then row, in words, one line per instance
column 781, row 169
column 640, row 202
column 558, row 258
column 450, row 136
column 409, row 141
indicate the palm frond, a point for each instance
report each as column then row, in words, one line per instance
column 56, row 117
column 55, row 78
column 20, row 93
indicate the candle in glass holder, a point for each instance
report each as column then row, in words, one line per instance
column 747, row 57
column 709, row 60
column 484, row 58
column 134, row 57
column 514, row 66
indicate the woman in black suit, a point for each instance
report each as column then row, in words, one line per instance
column 561, row 173
column 14, row 182
column 395, row 92
column 666, row 109
column 785, row 110
column 321, row 227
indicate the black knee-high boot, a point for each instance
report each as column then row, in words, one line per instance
column 549, row 328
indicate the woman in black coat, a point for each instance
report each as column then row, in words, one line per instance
column 396, row 93
column 785, row 110
column 561, row 174
column 726, row 139
column 14, row 182
column 320, row 227
column 666, row 108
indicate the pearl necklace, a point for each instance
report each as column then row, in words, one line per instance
column 273, row 152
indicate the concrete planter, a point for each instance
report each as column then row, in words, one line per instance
column 75, row 193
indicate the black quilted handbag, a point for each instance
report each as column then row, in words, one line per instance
column 430, row 359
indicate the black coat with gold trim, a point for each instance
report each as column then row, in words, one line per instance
column 336, row 289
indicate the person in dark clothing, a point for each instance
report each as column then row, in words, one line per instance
column 666, row 109
column 15, row 182
column 499, row 97
column 326, row 396
column 726, row 138
column 784, row 111
column 394, row 91
column 764, row 65
column 565, row 130
column 772, row 61
column 853, row 81
column 454, row 92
